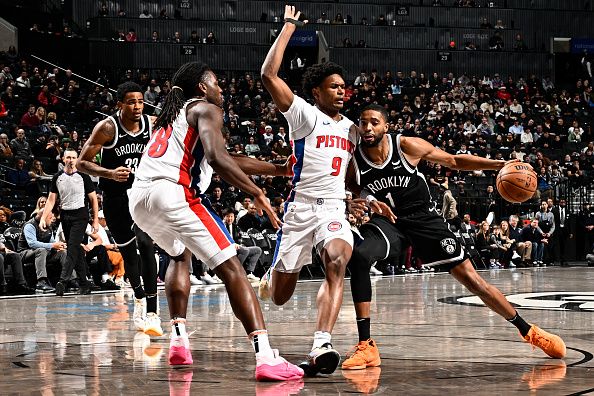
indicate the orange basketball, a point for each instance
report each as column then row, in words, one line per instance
column 516, row 182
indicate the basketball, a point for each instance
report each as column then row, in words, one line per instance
column 516, row 182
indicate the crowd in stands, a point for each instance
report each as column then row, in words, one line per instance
column 45, row 110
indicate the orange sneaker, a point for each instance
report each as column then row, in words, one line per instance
column 364, row 355
column 364, row 381
column 551, row 344
column 544, row 375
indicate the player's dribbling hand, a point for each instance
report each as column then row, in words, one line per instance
column 120, row 174
column 382, row 209
column 357, row 206
column 291, row 13
column 261, row 203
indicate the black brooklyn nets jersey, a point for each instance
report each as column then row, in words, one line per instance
column 395, row 182
column 125, row 150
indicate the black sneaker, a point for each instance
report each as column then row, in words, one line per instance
column 85, row 289
column 109, row 285
column 60, row 288
column 3, row 290
column 43, row 286
column 324, row 360
column 22, row 289
column 72, row 285
column 92, row 285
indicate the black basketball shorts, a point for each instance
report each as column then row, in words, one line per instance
column 118, row 218
column 431, row 238
column 379, row 230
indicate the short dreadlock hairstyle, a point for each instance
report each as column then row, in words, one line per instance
column 316, row 74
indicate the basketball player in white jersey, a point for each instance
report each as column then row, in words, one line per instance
column 167, row 201
column 323, row 143
column 121, row 139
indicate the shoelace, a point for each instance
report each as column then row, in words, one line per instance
column 359, row 347
column 539, row 340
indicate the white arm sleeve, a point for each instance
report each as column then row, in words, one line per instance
column 301, row 117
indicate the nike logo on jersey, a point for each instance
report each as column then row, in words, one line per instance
column 325, row 122
column 365, row 171
column 397, row 164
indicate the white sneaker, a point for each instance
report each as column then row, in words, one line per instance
column 153, row 325
column 217, row 279
column 375, row 271
column 195, row 281
column 139, row 313
column 511, row 265
column 253, row 278
column 208, row 280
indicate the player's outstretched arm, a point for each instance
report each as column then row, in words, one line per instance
column 279, row 90
column 104, row 132
column 417, row 149
column 252, row 166
column 208, row 119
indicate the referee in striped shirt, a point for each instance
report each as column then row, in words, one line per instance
column 74, row 190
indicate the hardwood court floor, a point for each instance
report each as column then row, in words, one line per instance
column 432, row 340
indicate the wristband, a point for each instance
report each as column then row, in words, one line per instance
column 295, row 22
column 370, row 198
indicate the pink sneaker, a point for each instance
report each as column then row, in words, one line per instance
column 276, row 369
column 179, row 351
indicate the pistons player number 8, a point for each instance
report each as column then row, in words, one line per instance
column 159, row 145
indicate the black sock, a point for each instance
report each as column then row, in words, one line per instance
column 151, row 303
column 520, row 324
column 138, row 292
column 363, row 325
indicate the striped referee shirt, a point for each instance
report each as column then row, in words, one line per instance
column 72, row 189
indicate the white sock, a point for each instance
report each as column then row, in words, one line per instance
column 259, row 340
column 104, row 277
column 178, row 329
column 320, row 338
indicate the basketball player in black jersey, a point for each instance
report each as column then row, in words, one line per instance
column 121, row 139
column 384, row 171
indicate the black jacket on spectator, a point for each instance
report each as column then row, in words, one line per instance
column 515, row 233
column 248, row 221
column 530, row 234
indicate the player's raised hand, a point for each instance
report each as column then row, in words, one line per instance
column 292, row 16
column 382, row 209
column 120, row 174
column 261, row 203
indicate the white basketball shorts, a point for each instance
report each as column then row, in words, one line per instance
column 175, row 219
column 305, row 225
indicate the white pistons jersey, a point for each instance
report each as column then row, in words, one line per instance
column 322, row 147
column 176, row 154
